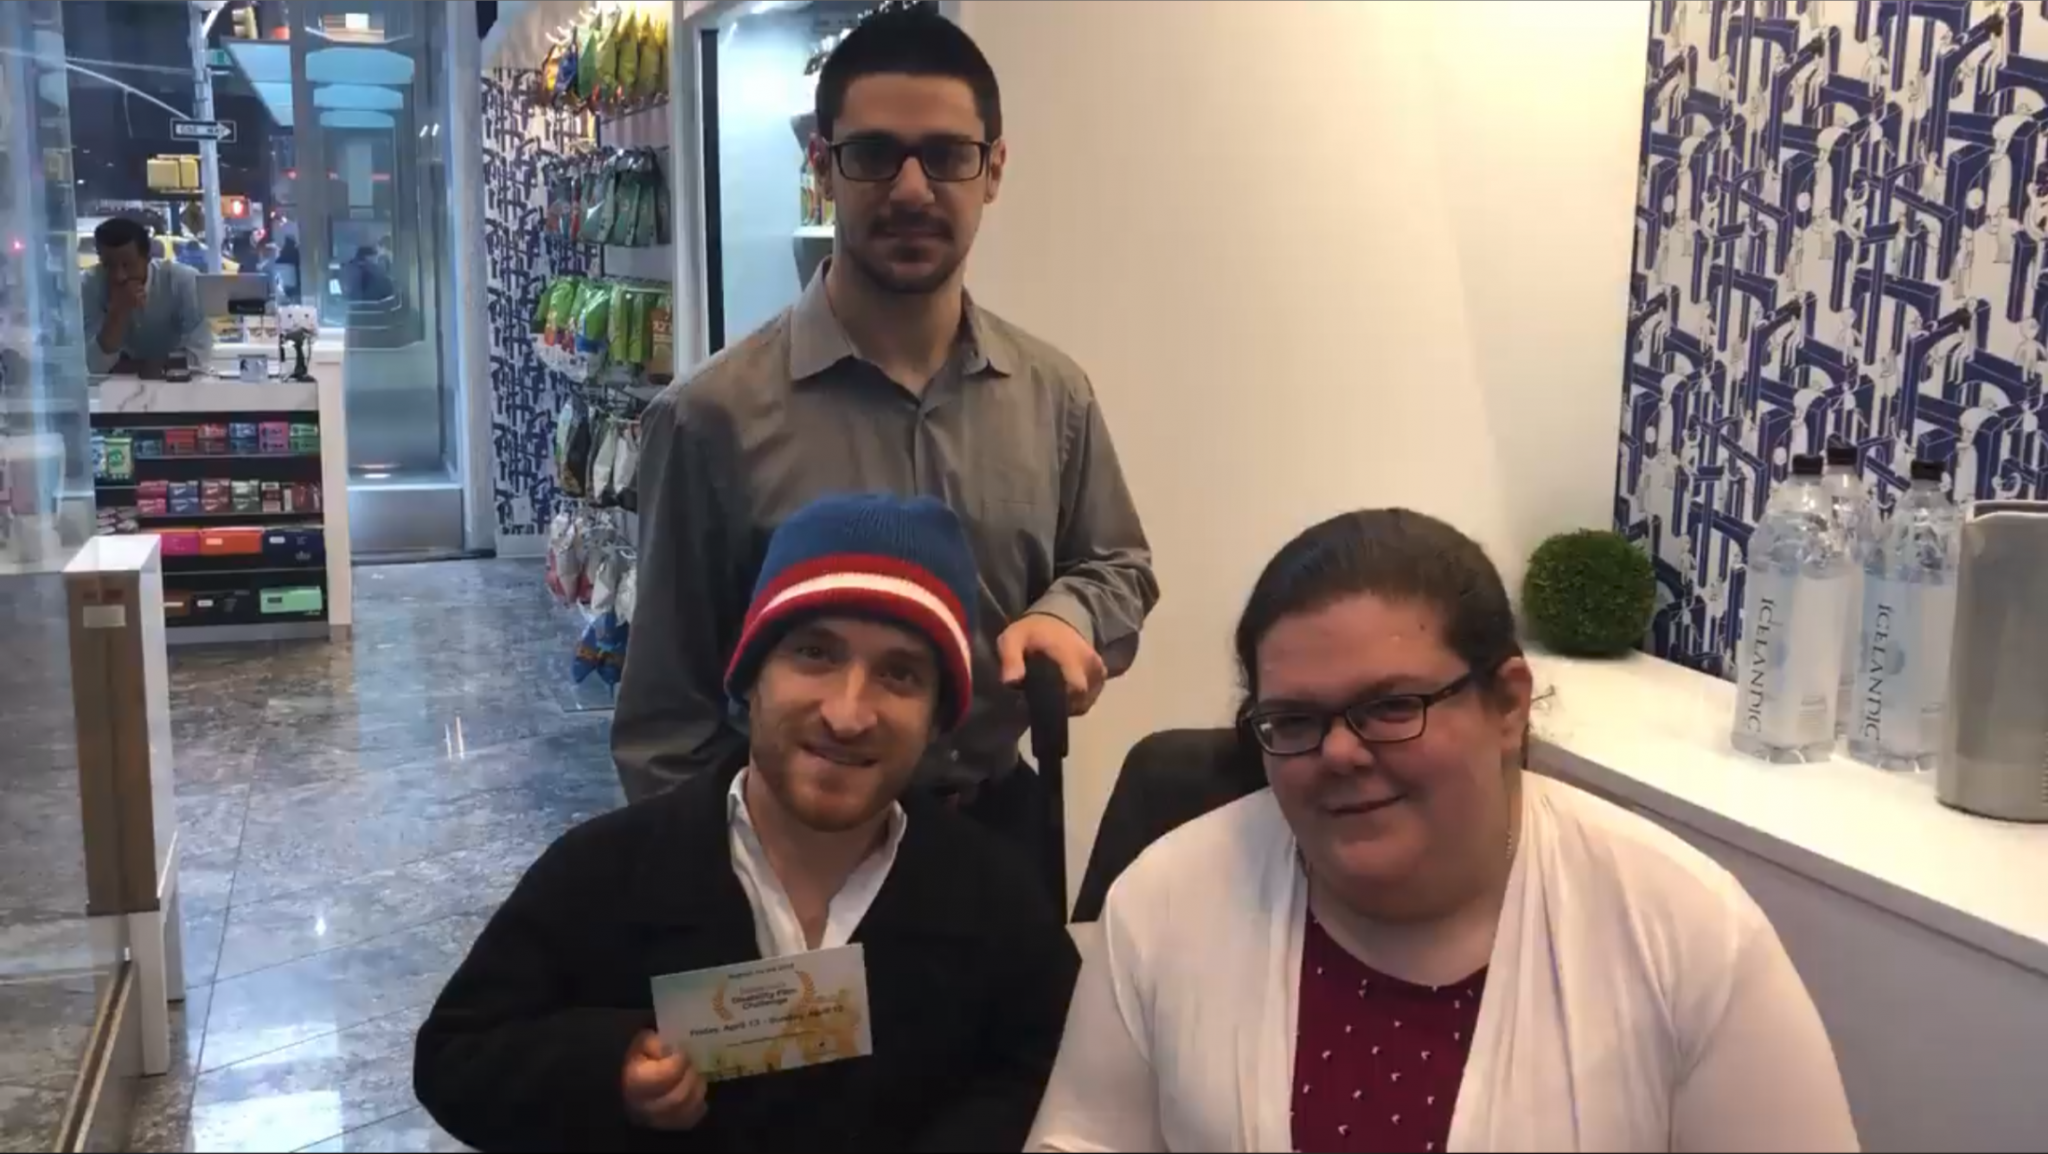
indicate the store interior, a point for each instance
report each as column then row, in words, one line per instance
column 1531, row 268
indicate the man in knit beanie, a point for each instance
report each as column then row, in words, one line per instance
column 854, row 655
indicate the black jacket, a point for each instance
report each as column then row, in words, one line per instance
column 969, row 971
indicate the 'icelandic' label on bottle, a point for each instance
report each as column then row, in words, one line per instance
column 1791, row 647
column 1901, row 696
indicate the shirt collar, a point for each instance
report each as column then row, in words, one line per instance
column 738, row 819
column 817, row 341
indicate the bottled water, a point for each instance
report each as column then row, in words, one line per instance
column 1855, row 518
column 1787, row 662
column 1907, row 624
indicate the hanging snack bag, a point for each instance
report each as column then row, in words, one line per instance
column 643, row 327
column 600, row 204
column 550, row 72
column 537, row 323
column 661, row 341
column 661, row 228
column 651, row 68
column 604, row 94
column 575, row 472
column 604, row 462
column 565, row 74
column 565, row 421
column 626, row 467
column 647, row 175
column 587, row 61
column 628, row 37
column 594, row 323
column 662, row 58
column 617, row 335
column 561, row 311
column 565, row 555
column 626, row 198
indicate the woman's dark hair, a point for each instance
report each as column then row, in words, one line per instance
column 1397, row 554
column 908, row 41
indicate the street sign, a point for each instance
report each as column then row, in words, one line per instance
column 220, row 130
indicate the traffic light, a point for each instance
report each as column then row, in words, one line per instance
column 235, row 207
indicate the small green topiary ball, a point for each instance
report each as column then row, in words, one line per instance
column 1589, row 594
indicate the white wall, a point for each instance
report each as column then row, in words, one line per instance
column 1317, row 256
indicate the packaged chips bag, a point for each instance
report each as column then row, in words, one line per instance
column 593, row 322
column 618, row 341
column 587, row 38
column 537, row 323
column 647, row 176
column 661, row 344
column 565, row 74
column 562, row 312
column 599, row 205
column 629, row 59
column 652, row 68
column 605, row 91
column 550, row 74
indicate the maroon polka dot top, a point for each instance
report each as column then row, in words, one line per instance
column 1377, row 1061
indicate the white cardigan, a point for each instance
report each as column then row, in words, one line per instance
column 1636, row 999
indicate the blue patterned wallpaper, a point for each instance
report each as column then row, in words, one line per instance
column 1840, row 232
column 519, row 139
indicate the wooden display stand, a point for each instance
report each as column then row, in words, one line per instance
column 120, row 688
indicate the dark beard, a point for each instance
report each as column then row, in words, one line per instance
column 883, row 277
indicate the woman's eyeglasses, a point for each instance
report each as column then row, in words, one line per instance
column 876, row 159
column 1291, row 731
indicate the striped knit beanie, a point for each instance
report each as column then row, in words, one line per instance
column 904, row 561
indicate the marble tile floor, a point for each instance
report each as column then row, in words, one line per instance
column 350, row 815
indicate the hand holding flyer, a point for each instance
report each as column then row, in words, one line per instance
column 767, row 1016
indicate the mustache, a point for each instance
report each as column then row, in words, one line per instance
column 912, row 224
column 821, row 740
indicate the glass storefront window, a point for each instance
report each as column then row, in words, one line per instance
column 330, row 178
column 54, row 968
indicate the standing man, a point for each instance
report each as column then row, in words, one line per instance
column 138, row 311
column 886, row 376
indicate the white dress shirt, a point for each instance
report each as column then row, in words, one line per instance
column 776, row 928
column 1636, row 999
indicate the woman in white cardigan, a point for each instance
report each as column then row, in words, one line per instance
column 1409, row 944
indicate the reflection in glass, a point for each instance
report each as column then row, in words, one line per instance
column 50, row 972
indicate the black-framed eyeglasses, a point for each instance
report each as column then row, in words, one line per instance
column 1293, row 730
column 877, row 159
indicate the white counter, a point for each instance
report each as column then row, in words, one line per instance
column 1657, row 734
column 1922, row 932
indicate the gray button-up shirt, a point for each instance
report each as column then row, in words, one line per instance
column 1008, row 434
column 169, row 320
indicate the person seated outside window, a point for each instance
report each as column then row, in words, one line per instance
column 139, row 311
column 1408, row 942
column 854, row 653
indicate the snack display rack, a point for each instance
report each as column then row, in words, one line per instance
column 240, row 497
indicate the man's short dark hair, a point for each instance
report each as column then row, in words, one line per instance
column 914, row 41
column 119, row 232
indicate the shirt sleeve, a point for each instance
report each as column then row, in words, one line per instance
column 671, row 722
column 92, row 297
column 1765, row 1076
column 1103, row 584
column 1103, row 1094
column 195, row 334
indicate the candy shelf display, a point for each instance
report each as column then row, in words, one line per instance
column 238, row 499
